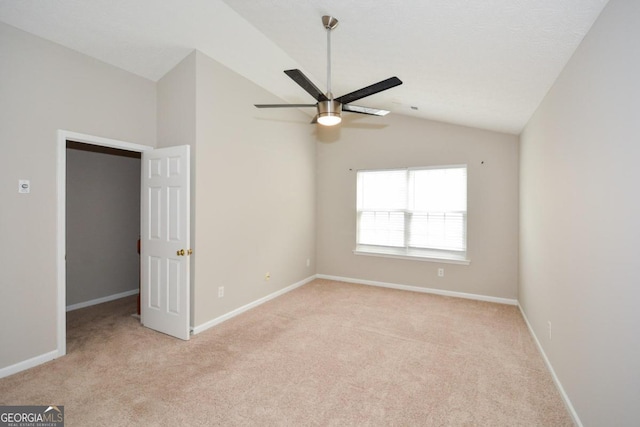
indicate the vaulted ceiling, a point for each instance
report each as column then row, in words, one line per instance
column 485, row 64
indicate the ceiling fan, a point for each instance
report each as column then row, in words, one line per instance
column 330, row 108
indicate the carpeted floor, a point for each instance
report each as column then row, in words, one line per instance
column 326, row 354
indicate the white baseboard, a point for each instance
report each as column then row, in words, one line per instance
column 101, row 300
column 29, row 363
column 556, row 381
column 420, row 289
column 213, row 322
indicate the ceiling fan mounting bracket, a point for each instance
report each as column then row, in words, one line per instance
column 329, row 22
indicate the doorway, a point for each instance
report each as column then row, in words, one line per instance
column 97, row 144
column 102, row 224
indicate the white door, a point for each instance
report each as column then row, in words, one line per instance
column 165, row 250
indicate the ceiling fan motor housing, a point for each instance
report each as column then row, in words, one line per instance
column 329, row 108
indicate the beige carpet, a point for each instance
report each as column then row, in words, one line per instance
column 326, row 354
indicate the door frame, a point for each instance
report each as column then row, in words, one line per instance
column 62, row 137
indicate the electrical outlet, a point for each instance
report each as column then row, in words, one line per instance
column 441, row 272
column 549, row 324
column 267, row 276
column 220, row 291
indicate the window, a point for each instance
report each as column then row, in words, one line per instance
column 414, row 212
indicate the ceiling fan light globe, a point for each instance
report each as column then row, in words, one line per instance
column 329, row 119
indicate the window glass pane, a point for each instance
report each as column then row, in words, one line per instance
column 438, row 190
column 444, row 231
column 381, row 228
column 382, row 190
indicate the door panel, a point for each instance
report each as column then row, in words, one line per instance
column 165, row 241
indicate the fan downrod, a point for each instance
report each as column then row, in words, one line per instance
column 329, row 22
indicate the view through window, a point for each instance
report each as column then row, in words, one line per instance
column 413, row 212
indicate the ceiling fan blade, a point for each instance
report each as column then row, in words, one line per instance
column 283, row 105
column 306, row 84
column 370, row 90
column 314, row 120
column 364, row 110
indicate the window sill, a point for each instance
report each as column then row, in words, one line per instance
column 444, row 258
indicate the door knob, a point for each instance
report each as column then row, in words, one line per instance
column 190, row 251
column 180, row 252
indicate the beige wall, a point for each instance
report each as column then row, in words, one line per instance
column 176, row 111
column 255, row 193
column 176, row 106
column 399, row 141
column 45, row 87
column 103, row 222
column 580, row 215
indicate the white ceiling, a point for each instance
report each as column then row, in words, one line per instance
column 483, row 63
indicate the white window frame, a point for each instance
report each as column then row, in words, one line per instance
column 407, row 252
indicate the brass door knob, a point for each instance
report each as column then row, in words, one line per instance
column 180, row 252
column 190, row 251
